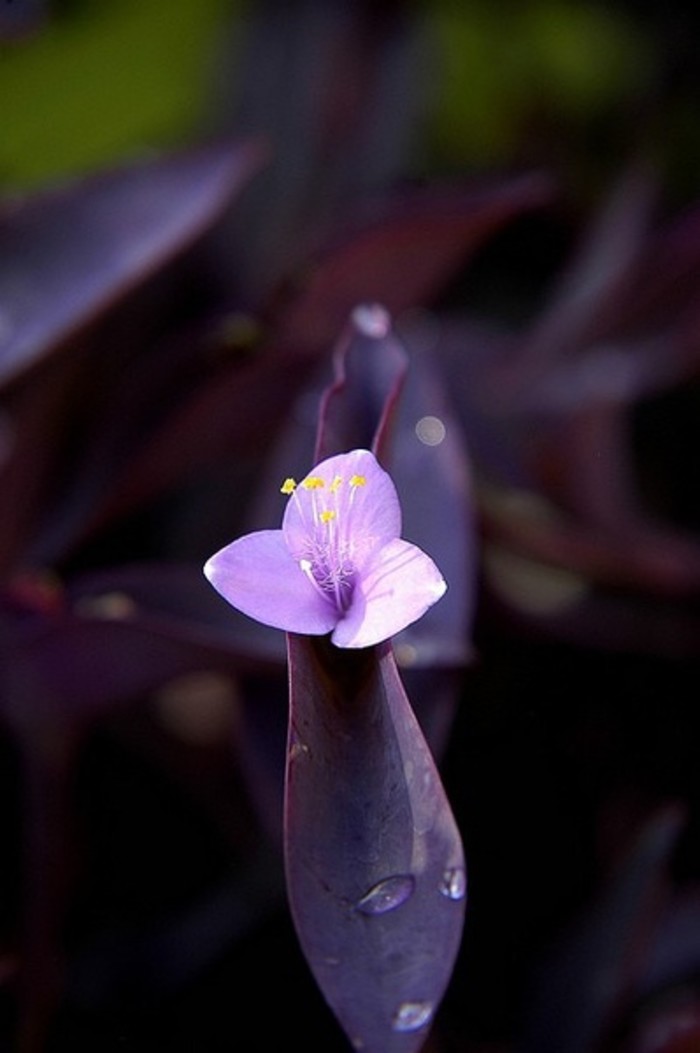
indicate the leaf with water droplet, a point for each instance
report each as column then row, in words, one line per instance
column 411, row 1016
column 454, row 883
column 387, row 895
column 369, row 842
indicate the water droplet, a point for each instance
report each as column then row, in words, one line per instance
column 372, row 320
column 411, row 1015
column 387, row 895
column 454, row 883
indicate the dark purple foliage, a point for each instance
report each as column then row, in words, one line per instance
column 165, row 351
column 70, row 254
column 552, row 414
column 75, row 645
column 375, row 868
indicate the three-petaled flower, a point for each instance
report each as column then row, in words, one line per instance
column 338, row 565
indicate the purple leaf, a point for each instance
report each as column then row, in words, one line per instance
column 418, row 435
column 403, row 256
column 375, row 868
column 68, row 254
column 67, row 666
column 598, row 276
column 431, row 468
column 175, row 599
column 340, row 126
column 358, row 407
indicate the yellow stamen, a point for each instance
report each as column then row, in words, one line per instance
column 313, row 482
column 335, row 484
column 288, row 486
column 327, row 516
column 358, row 480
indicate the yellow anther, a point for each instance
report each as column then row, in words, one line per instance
column 288, row 486
column 313, row 482
column 326, row 516
column 335, row 484
column 358, row 480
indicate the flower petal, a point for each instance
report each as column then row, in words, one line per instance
column 360, row 497
column 395, row 589
column 258, row 576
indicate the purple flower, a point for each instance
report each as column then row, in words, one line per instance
column 338, row 565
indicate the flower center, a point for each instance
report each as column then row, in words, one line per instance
column 334, row 582
column 327, row 556
column 327, row 561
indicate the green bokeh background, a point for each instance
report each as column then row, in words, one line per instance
column 579, row 85
column 103, row 81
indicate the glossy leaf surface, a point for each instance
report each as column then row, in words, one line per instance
column 69, row 254
column 375, row 867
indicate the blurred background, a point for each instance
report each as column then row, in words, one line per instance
column 194, row 197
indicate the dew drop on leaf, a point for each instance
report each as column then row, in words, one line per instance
column 387, row 895
column 454, row 883
column 411, row 1015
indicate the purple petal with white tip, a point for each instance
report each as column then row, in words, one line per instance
column 396, row 588
column 258, row 576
